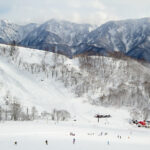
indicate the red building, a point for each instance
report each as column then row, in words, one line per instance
column 142, row 123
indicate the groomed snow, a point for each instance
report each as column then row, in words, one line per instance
column 32, row 136
column 49, row 94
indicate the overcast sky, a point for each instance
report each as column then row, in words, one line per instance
column 80, row 11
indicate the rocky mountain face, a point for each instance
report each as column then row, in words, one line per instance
column 26, row 29
column 70, row 33
column 12, row 32
column 130, row 37
column 57, row 36
column 8, row 31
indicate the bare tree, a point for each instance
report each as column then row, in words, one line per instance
column 27, row 117
column 12, row 48
column 135, row 114
column 15, row 111
column 0, row 113
column 146, row 113
column 34, row 113
column 60, row 115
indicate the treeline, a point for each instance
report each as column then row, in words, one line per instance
column 11, row 109
column 14, row 111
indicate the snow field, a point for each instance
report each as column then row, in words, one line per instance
column 50, row 94
column 32, row 135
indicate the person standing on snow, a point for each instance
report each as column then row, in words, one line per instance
column 74, row 140
column 15, row 142
column 46, row 142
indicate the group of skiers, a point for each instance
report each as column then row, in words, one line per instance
column 74, row 140
column 73, row 134
column 46, row 142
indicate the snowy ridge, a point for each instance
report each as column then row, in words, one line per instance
column 29, row 88
column 127, row 36
column 10, row 32
column 24, row 80
column 51, row 81
column 130, row 37
column 56, row 36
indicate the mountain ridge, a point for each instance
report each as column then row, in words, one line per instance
column 131, row 37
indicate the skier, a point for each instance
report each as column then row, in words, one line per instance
column 106, row 133
column 108, row 143
column 74, row 140
column 101, row 133
column 46, row 142
column 15, row 142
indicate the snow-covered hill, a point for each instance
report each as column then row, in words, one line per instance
column 25, row 79
column 33, row 78
column 52, row 81
column 30, row 89
column 83, row 87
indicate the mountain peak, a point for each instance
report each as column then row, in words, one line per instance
column 130, row 37
column 5, row 21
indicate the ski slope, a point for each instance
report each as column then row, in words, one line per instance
column 32, row 135
column 34, row 89
column 48, row 95
column 45, row 93
column 29, row 90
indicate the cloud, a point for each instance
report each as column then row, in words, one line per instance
column 97, row 4
column 80, row 11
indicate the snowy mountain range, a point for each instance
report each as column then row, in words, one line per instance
column 131, row 37
column 12, row 32
column 57, row 36
column 54, row 99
